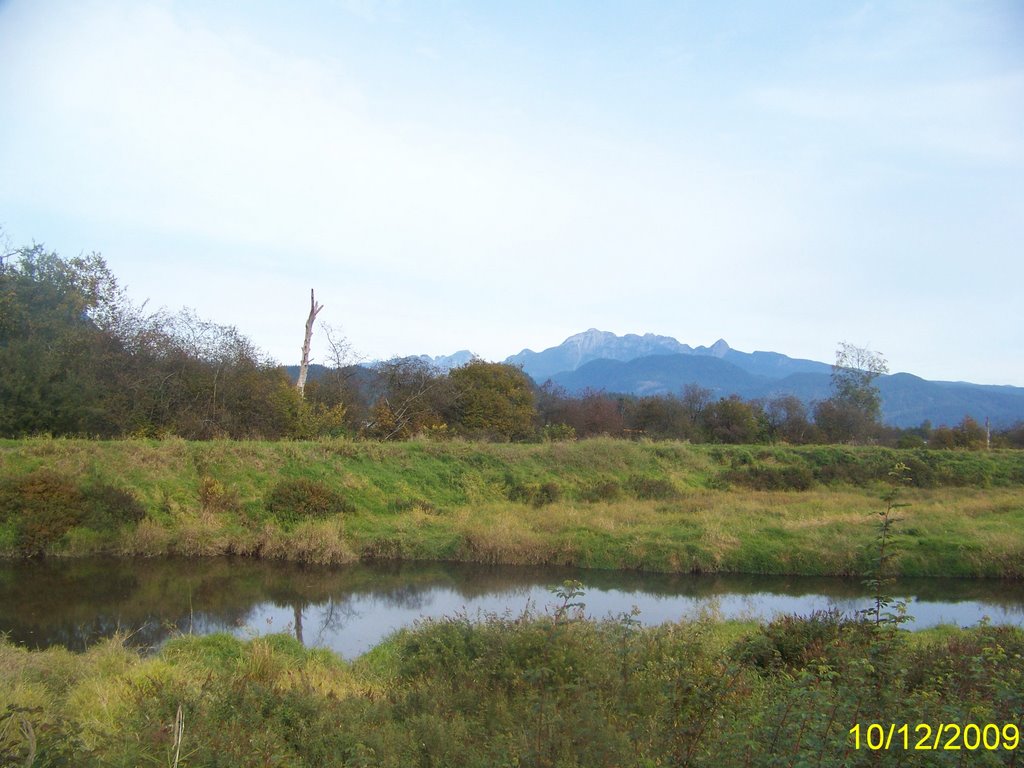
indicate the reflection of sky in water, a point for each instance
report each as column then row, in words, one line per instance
column 351, row 608
column 358, row 623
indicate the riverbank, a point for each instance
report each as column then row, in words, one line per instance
column 598, row 503
column 548, row 690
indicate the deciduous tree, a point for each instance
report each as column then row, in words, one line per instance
column 787, row 420
column 410, row 398
column 852, row 413
column 493, row 401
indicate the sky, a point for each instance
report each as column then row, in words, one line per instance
column 493, row 176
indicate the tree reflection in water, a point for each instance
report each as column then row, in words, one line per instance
column 350, row 608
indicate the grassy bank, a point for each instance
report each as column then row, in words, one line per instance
column 539, row 691
column 597, row 503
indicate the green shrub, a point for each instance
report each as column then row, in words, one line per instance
column 762, row 477
column 978, row 660
column 517, row 491
column 741, row 457
column 795, row 641
column 653, row 488
column 107, row 507
column 291, row 501
column 856, row 466
column 921, row 469
column 558, row 433
column 538, row 495
column 547, row 493
column 606, row 490
column 910, row 441
column 966, row 469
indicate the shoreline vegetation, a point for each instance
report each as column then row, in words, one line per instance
column 534, row 690
column 597, row 503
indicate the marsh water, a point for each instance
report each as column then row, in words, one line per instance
column 350, row 609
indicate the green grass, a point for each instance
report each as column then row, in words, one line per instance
column 543, row 690
column 597, row 503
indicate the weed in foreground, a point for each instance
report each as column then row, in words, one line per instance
column 880, row 577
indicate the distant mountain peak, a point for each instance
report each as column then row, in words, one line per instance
column 719, row 348
column 594, row 344
column 448, row 362
column 590, row 337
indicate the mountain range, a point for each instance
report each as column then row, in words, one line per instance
column 655, row 365
column 591, row 345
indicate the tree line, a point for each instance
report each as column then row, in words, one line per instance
column 404, row 398
column 78, row 358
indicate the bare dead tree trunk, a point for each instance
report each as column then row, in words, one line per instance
column 314, row 310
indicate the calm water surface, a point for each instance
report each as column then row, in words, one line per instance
column 350, row 609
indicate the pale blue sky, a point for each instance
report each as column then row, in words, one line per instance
column 497, row 175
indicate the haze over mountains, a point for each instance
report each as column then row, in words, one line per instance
column 578, row 350
column 447, row 362
column 658, row 365
column 655, row 365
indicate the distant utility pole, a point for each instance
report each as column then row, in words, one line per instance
column 988, row 435
column 314, row 310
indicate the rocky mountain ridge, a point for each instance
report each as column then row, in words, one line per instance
column 582, row 348
column 651, row 364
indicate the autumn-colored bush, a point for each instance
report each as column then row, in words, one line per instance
column 215, row 497
column 43, row 505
